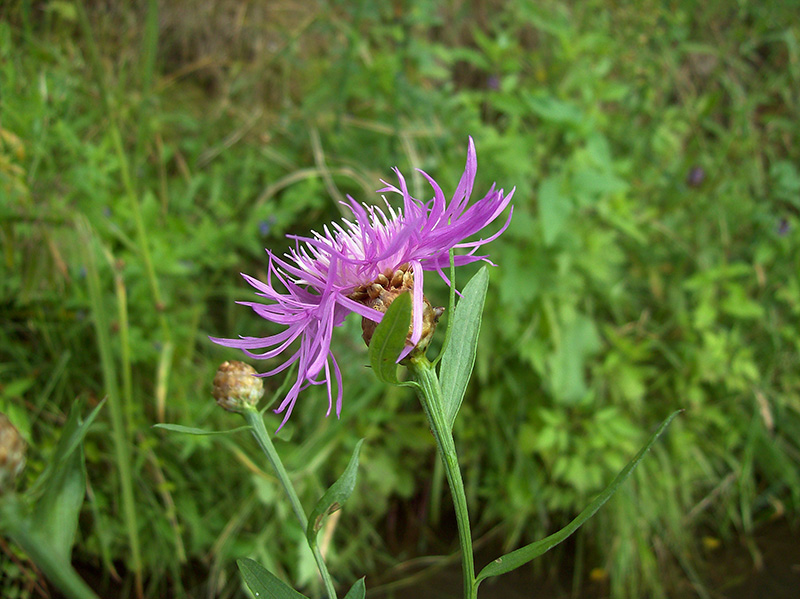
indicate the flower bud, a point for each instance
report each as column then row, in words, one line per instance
column 236, row 386
column 12, row 454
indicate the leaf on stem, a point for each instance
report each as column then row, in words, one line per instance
column 334, row 497
column 263, row 583
column 389, row 339
column 358, row 590
column 451, row 307
column 459, row 356
column 522, row 556
column 190, row 430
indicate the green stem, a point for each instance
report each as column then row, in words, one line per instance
column 430, row 396
column 256, row 422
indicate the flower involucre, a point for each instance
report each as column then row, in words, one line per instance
column 236, row 386
column 325, row 277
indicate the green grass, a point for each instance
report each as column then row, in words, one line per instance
column 146, row 158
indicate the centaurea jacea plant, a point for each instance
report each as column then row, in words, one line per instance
column 373, row 265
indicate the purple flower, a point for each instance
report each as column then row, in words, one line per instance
column 326, row 276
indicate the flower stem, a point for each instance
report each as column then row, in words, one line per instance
column 256, row 422
column 430, row 396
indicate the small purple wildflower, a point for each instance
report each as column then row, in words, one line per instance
column 696, row 176
column 265, row 226
column 322, row 272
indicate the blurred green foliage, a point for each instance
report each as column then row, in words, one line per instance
column 652, row 264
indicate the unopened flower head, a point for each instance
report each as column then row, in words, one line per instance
column 236, row 386
column 358, row 265
column 12, row 454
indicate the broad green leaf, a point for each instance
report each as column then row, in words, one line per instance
column 389, row 339
column 263, row 583
column 357, row 591
column 334, row 497
column 62, row 487
column 522, row 556
column 189, row 430
column 459, row 357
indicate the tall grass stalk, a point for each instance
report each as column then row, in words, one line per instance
column 125, row 348
column 119, row 431
column 124, row 167
column 149, row 53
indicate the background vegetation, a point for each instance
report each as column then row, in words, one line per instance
column 149, row 152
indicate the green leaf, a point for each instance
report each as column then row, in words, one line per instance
column 459, row 356
column 263, row 583
column 551, row 109
column 451, row 306
column 554, row 209
column 389, row 339
column 16, row 524
column 61, row 488
column 357, row 591
column 47, row 532
column 567, row 364
column 189, row 430
column 522, row 556
column 334, row 497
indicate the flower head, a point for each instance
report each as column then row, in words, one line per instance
column 348, row 267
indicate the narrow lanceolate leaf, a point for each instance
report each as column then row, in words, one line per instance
column 334, row 497
column 263, row 583
column 522, row 556
column 63, row 487
column 459, row 356
column 357, row 591
column 190, row 430
column 389, row 339
column 17, row 524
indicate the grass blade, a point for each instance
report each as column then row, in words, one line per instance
column 110, row 380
